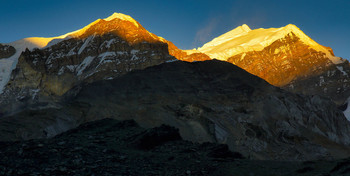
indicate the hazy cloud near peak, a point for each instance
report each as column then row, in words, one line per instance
column 204, row 34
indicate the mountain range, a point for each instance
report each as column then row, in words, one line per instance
column 267, row 93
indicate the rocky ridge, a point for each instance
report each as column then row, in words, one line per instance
column 105, row 49
column 210, row 101
column 284, row 57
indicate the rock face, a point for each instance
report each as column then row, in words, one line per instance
column 107, row 147
column 283, row 61
column 6, row 51
column 105, row 49
column 291, row 64
column 43, row 75
column 207, row 101
column 284, row 57
column 332, row 82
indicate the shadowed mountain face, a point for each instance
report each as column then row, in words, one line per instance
column 332, row 82
column 207, row 101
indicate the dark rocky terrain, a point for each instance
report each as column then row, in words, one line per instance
column 6, row 51
column 111, row 147
column 332, row 82
column 210, row 101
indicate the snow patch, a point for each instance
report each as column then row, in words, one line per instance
column 134, row 51
column 340, row 68
column 86, row 42
column 103, row 57
column 71, row 67
column 108, row 45
column 86, row 62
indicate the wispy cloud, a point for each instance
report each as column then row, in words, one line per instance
column 204, row 34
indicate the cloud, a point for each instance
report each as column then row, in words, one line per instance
column 204, row 34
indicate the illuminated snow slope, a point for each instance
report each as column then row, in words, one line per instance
column 243, row 39
column 8, row 64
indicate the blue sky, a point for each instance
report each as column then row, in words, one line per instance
column 187, row 23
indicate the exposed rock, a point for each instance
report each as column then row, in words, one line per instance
column 82, row 156
column 155, row 137
column 207, row 101
column 6, row 51
column 332, row 82
column 104, row 49
column 42, row 76
column 283, row 61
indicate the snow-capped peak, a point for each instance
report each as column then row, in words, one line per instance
column 245, row 27
column 242, row 39
column 8, row 64
column 239, row 31
column 122, row 17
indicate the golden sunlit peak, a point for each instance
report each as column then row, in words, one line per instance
column 245, row 28
column 122, row 17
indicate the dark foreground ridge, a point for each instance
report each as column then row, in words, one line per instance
column 210, row 101
column 111, row 147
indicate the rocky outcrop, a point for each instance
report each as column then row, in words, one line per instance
column 105, row 49
column 44, row 75
column 294, row 66
column 207, row 101
column 135, row 34
column 107, row 147
column 332, row 82
column 284, row 57
column 6, row 51
column 283, row 61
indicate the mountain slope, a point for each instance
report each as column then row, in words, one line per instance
column 278, row 55
column 111, row 147
column 118, row 24
column 207, row 101
column 105, row 49
column 285, row 57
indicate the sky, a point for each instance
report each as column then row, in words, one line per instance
column 187, row 23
